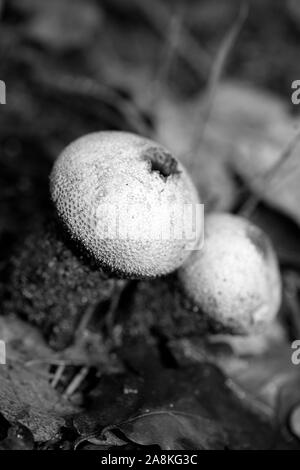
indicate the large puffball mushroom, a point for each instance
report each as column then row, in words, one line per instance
column 234, row 280
column 107, row 184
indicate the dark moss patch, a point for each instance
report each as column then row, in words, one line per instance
column 51, row 286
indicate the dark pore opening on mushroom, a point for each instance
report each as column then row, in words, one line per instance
column 161, row 162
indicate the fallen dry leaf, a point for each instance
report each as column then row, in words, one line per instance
column 27, row 397
column 259, row 130
column 169, row 430
column 175, row 408
column 259, row 368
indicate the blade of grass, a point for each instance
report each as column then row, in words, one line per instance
column 172, row 41
column 250, row 205
column 76, row 382
column 189, row 50
column 217, row 70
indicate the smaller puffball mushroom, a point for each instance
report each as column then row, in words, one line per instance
column 234, row 280
column 294, row 421
column 111, row 183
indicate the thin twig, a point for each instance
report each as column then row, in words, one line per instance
column 188, row 49
column 75, row 383
column 58, row 375
column 53, row 362
column 172, row 41
column 85, row 320
column 111, row 313
column 217, row 71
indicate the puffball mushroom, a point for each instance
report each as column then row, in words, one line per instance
column 120, row 170
column 234, row 280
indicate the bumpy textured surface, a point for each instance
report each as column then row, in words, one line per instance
column 122, row 169
column 52, row 287
column 235, row 279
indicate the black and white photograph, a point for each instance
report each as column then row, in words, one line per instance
column 149, row 228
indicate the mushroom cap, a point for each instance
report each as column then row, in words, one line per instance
column 115, row 191
column 235, row 278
